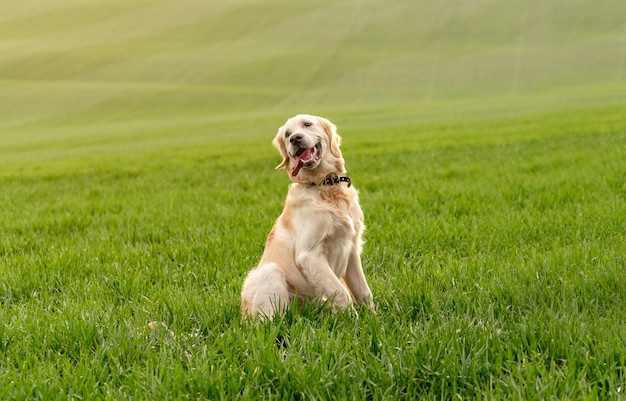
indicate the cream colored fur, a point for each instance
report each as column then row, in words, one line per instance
column 313, row 250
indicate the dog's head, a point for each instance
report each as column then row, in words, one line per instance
column 309, row 146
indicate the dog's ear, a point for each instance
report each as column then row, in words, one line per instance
column 279, row 143
column 334, row 140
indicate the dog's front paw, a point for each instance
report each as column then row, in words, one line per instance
column 369, row 302
column 342, row 300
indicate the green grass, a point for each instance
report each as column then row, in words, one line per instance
column 488, row 141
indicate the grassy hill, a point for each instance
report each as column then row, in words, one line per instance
column 487, row 139
column 83, row 74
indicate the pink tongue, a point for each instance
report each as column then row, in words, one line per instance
column 305, row 155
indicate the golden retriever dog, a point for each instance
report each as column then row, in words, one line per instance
column 313, row 251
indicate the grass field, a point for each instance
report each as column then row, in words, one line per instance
column 487, row 139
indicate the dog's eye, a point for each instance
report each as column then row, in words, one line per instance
column 308, row 123
column 287, row 134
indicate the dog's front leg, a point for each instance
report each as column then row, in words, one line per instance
column 318, row 273
column 356, row 282
column 310, row 258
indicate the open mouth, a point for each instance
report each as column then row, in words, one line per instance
column 307, row 158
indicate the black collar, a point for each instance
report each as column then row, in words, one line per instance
column 333, row 179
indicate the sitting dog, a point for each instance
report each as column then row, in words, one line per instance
column 313, row 250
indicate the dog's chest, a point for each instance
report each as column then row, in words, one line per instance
column 325, row 221
column 345, row 225
column 333, row 214
column 342, row 208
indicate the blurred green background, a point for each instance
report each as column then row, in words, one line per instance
column 80, row 78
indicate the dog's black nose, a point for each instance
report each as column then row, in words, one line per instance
column 297, row 138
